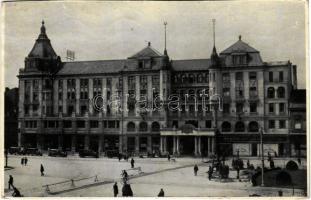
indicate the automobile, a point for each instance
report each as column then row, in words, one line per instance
column 112, row 153
column 15, row 150
column 32, row 152
column 57, row 153
column 88, row 153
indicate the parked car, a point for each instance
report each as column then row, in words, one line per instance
column 57, row 153
column 88, row 153
column 32, row 152
column 15, row 150
column 112, row 153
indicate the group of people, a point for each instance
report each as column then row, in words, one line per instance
column 16, row 192
column 127, row 190
column 24, row 161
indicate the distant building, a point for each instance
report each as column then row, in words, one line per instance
column 56, row 101
column 10, row 117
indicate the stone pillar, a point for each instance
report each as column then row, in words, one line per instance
column 31, row 98
column 161, row 144
column 137, row 144
column 120, row 143
column 100, row 143
column 55, row 97
column 174, row 144
column 86, row 142
column 149, row 144
column 125, row 96
column 213, row 145
column 137, row 92
column 150, row 94
column 21, row 100
column 60, row 142
column 165, row 144
column 177, row 144
column 90, row 91
column 104, row 95
column 64, row 96
column 199, row 145
column 73, row 143
column 195, row 146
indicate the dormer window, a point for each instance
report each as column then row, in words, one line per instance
column 140, row 64
column 239, row 59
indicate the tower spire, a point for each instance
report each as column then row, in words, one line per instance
column 165, row 51
column 214, row 22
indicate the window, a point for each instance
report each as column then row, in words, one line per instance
column 94, row 124
column 282, row 107
column 226, row 92
column 281, row 92
column 97, row 87
column 111, row 124
column 200, row 78
column 60, row 96
column 191, row 78
column 80, row 124
column 60, row 109
column 239, row 108
column 271, row 108
column 239, row 59
column 253, row 91
column 226, row 108
column 155, row 127
column 253, row 107
column 131, row 82
column 105, row 124
column 141, row 64
column 281, row 77
column 270, row 92
column 70, row 109
column 253, row 127
column 83, row 109
column 108, row 83
column 67, row 124
column 252, row 75
column 208, row 123
column 60, row 84
column 271, row 124
column 270, row 77
column 143, row 127
column 282, row 124
column 175, row 124
column 130, row 127
column 297, row 125
column 239, row 127
column 226, row 127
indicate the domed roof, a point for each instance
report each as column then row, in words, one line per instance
column 42, row 47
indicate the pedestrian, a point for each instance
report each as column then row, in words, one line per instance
column 25, row 161
column 248, row 164
column 161, row 193
column 42, row 170
column 120, row 157
column 269, row 156
column 271, row 164
column 11, row 182
column 195, row 169
column 16, row 192
column 168, row 157
column 210, row 172
column 22, row 161
column 132, row 163
column 115, row 189
column 299, row 161
column 238, row 173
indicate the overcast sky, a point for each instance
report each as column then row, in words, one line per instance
column 117, row 30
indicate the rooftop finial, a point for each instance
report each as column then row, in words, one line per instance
column 42, row 27
column 165, row 24
column 42, row 22
column 240, row 37
column 214, row 22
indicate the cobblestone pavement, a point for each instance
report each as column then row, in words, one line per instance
column 176, row 178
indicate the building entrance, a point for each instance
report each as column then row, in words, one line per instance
column 186, row 145
column 111, row 142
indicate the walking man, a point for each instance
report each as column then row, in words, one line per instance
column 210, row 173
column 132, row 163
column 25, row 161
column 161, row 193
column 168, row 157
column 195, row 169
column 22, row 161
column 11, row 182
column 42, row 170
column 238, row 173
column 115, row 189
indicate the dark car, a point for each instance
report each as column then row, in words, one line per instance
column 32, row 152
column 112, row 153
column 15, row 150
column 88, row 153
column 57, row 153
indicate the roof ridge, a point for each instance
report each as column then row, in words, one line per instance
column 94, row 60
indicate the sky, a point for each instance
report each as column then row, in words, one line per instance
column 117, row 30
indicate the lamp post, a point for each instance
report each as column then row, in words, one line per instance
column 6, row 157
column 262, row 157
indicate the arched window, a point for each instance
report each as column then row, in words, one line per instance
column 130, row 127
column 253, row 127
column 143, row 127
column 191, row 78
column 155, row 127
column 239, row 127
column 281, row 92
column 200, row 78
column 271, row 92
column 226, row 127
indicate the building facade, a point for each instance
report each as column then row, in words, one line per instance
column 150, row 103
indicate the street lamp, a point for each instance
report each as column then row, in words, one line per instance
column 262, row 157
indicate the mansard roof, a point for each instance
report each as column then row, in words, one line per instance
column 191, row 64
column 239, row 47
column 42, row 47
